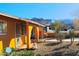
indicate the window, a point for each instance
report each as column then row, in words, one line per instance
column 23, row 29
column 3, row 27
column 17, row 29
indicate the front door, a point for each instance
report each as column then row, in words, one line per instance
column 18, row 35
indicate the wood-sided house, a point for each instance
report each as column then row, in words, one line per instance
column 16, row 33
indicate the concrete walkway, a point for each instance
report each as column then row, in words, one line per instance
column 54, row 40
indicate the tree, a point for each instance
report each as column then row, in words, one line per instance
column 57, row 27
column 72, row 35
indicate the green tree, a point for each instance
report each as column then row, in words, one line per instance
column 57, row 27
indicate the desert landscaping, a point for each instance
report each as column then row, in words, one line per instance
column 53, row 48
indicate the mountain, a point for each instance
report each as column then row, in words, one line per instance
column 67, row 21
column 42, row 21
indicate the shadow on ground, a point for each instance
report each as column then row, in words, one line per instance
column 52, row 44
column 66, row 47
column 77, row 44
column 64, row 51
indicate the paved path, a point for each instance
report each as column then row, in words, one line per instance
column 50, row 40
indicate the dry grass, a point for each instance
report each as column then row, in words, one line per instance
column 57, row 49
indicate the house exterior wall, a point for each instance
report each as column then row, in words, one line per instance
column 41, row 33
column 9, row 39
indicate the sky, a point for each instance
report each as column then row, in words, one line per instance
column 41, row 10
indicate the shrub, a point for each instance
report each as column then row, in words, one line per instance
column 22, row 53
column 7, row 54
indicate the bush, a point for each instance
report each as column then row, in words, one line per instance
column 22, row 53
column 18, row 53
column 7, row 54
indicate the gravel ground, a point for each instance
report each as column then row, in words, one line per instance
column 53, row 48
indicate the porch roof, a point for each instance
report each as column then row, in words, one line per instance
column 18, row 18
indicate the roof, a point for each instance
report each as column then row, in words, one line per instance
column 7, row 15
column 30, row 21
column 18, row 18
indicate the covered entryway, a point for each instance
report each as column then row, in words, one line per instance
column 20, row 35
column 32, row 35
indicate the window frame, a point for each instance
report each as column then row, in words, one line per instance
column 4, row 31
column 23, row 29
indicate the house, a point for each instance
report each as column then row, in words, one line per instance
column 51, row 31
column 16, row 33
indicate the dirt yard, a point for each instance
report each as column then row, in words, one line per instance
column 51, row 48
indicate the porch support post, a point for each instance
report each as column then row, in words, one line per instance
column 1, row 46
column 29, row 45
column 27, row 33
column 37, row 34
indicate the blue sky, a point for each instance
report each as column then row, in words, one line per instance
column 41, row 10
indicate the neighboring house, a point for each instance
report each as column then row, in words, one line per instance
column 67, row 25
column 16, row 33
